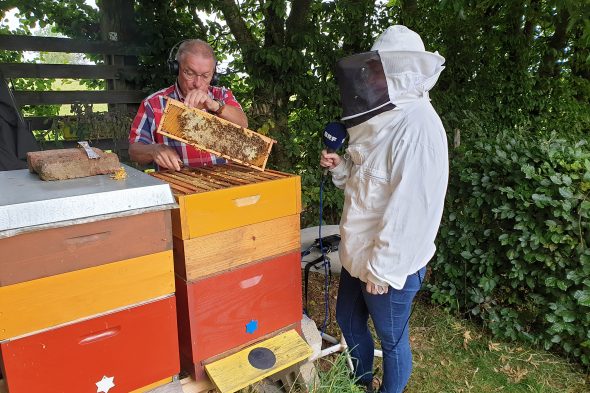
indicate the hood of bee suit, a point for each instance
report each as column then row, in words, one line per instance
column 396, row 71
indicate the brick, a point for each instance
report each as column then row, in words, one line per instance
column 64, row 164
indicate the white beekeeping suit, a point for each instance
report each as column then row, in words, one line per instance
column 395, row 172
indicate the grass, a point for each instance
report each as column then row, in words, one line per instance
column 335, row 377
column 71, row 85
column 455, row 355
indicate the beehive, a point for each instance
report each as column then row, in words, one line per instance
column 237, row 259
column 215, row 135
column 82, row 287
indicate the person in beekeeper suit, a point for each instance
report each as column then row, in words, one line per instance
column 394, row 175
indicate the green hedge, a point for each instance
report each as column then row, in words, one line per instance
column 513, row 245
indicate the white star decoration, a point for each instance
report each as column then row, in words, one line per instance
column 105, row 384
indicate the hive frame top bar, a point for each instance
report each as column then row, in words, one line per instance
column 204, row 179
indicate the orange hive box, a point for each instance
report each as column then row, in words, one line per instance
column 218, row 136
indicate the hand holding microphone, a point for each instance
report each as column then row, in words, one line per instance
column 333, row 137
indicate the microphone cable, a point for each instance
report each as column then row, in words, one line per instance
column 326, row 260
column 411, row 311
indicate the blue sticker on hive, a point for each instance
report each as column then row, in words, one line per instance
column 251, row 326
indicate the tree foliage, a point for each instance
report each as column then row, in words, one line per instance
column 509, row 63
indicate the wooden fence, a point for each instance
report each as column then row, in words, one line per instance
column 119, row 71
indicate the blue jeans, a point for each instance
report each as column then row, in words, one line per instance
column 390, row 313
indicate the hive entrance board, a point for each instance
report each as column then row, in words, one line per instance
column 218, row 136
column 239, row 370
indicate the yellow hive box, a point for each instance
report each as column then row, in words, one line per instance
column 219, row 198
column 218, row 136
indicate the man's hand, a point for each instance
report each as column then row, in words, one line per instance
column 200, row 100
column 166, row 157
column 329, row 160
column 375, row 289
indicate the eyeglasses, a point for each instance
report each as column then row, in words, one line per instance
column 190, row 75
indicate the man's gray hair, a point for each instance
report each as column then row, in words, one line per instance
column 196, row 47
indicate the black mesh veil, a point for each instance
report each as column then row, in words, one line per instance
column 362, row 82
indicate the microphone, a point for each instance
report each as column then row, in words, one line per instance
column 334, row 136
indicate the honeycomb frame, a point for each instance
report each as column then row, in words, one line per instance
column 171, row 126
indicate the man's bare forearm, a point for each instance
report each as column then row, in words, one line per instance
column 141, row 153
column 235, row 115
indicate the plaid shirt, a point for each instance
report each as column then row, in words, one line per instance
column 145, row 124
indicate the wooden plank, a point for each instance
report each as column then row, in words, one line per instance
column 238, row 176
column 219, row 182
column 215, row 176
column 177, row 189
column 44, row 253
column 236, row 372
column 200, row 183
column 267, row 174
column 207, row 181
column 292, row 326
column 210, row 254
column 71, row 71
column 68, row 45
column 225, row 176
column 46, row 302
column 46, row 122
column 82, row 97
column 103, row 144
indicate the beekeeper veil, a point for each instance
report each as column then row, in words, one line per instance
column 397, row 70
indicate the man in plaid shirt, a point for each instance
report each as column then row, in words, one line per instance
column 196, row 67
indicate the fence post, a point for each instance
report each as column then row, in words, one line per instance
column 117, row 23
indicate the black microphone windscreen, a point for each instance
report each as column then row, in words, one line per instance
column 334, row 135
